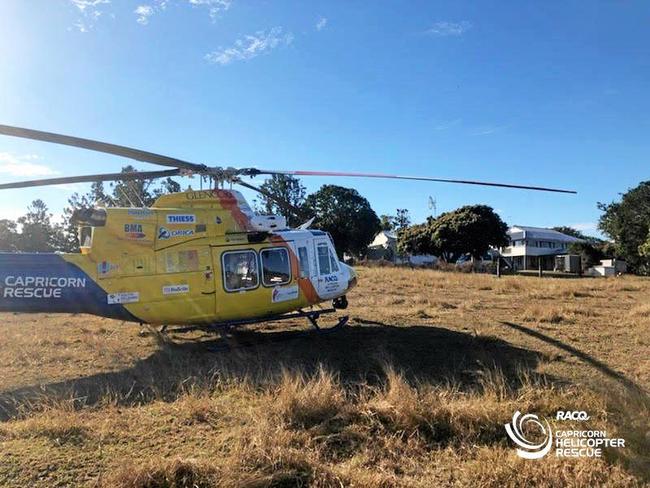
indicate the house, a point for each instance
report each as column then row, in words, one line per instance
column 531, row 246
column 384, row 246
column 608, row 267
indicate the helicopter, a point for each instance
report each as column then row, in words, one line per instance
column 197, row 259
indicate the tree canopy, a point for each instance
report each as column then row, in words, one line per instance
column 627, row 223
column 471, row 229
column 399, row 221
column 285, row 188
column 346, row 215
column 33, row 232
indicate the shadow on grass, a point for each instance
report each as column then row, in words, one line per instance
column 583, row 356
column 356, row 353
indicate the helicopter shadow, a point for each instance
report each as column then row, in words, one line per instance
column 363, row 352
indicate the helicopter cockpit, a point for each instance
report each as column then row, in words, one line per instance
column 86, row 219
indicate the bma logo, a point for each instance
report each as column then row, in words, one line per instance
column 181, row 219
column 530, row 449
column 134, row 231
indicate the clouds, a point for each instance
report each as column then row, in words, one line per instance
column 321, row 24
column 446, row 29
column 23, row 166
column 215, row 7
column 586, row 226
column 143, row 12
column 488, row 129
column 251, row 46
column 447, row 124
column 90, row 11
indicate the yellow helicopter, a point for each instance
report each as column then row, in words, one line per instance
column 201, row 259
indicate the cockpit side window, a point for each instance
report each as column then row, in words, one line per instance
column 240, row 270
column 324, row 259
column 85, row 236
column 303, row 259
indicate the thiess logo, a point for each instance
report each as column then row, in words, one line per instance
column 181, row 219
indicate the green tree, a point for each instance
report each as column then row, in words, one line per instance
column 627, row 223
column 590, row 253
column 470, row 229
column 285, row 188
column 570, row 231
column 96, row 196
column 396, row 222
column 132, row 193
column 386, row 222
column 346, row 215
column 8, row 235
column 644, row 249
column 38, row 233
column 417, row 239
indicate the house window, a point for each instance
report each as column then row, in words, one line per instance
column 276, row 267
column 240, row 271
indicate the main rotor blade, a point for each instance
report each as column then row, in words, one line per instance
column 283, row 204
column 127, row 152
column 136, row 175
column 399, row 177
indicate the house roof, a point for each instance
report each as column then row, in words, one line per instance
column 541, row 233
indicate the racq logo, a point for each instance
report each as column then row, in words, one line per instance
column 569, row 443
column 181, row 219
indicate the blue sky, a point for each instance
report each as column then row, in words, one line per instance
column 543, row 93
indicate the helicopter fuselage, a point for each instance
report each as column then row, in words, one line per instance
column 196, row 257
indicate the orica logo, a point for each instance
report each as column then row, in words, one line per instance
column 529, row 450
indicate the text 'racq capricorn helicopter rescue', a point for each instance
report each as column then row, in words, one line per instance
column 199, row 259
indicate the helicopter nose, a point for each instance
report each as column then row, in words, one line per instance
column 352, row 276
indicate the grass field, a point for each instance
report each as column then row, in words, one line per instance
column 415, row 392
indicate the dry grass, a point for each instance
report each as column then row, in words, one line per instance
column 414, row 393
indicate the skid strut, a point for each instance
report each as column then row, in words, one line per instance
column 312, row 316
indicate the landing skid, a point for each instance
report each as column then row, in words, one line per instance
column 312, row 317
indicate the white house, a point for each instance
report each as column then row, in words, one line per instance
column 530, row 245
column 384, row 246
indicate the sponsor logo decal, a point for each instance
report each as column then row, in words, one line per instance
column 164, row 234
column 331, row 278
column 181, row 219
column 284, row 293
column 124, row 297
column 140, row 213
column 200, row 195
column 39, row 286
column 535, row 439
column 106, row 267
column 175, row 289
column 134, row 231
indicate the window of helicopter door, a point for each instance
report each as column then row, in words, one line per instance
column 303, row 260
column 324, row 261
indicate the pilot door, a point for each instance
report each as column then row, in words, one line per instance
column 329, row 281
